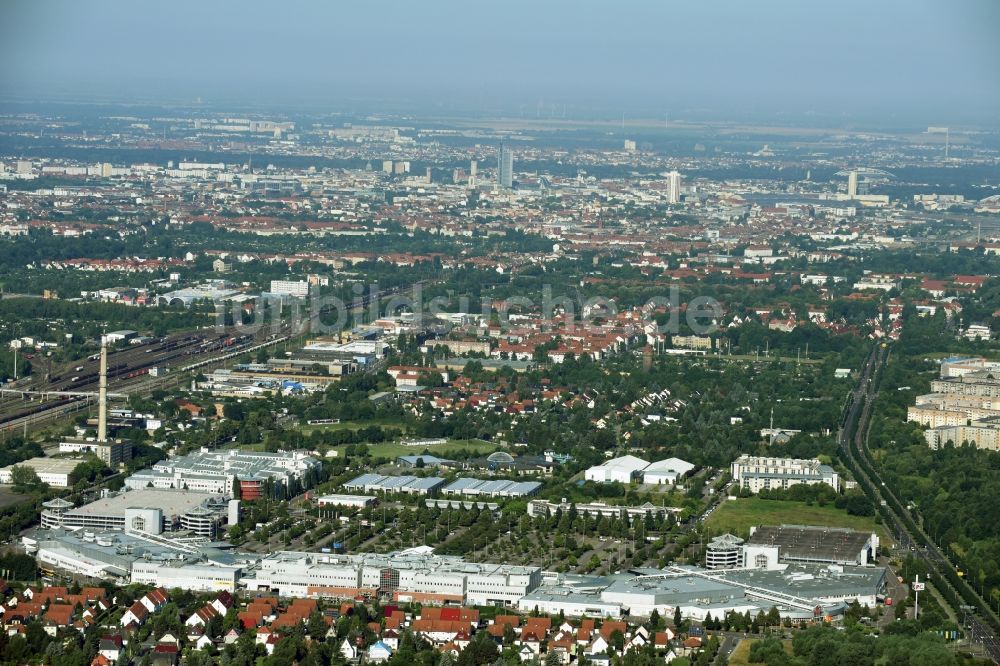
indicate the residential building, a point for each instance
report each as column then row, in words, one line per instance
column 296, row 288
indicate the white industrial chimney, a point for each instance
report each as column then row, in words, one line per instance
column 102, row 395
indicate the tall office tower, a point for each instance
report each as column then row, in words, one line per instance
column 673, row 187
column 386, row 166
column 852, row 184
column 505, row 167
column 473, row 174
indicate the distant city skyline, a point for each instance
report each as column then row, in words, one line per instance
column 928, row 60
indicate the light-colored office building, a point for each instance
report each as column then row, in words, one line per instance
column 761, row 473
column 214, row 471
column 601, row 510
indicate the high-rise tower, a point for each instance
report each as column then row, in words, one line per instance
column 673, row 187
column 505, row 166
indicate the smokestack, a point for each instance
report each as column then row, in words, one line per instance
column 102, row 395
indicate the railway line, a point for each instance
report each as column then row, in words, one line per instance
column 128, row 372
column 128, row 368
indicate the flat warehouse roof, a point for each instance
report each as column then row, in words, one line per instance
column 172, row 502
column 800, row 542
column 810, row 581
column 48, row 465
column 364, row 480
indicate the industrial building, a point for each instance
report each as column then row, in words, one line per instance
column 148, row 510
column 770, row 546
column 625, row 469
column 196, row 577
column 112, row 452
column 254, row 380
column 762, row 473
column 360, row 352
column 402, row 577
column 350, row 501
column 126, row 557
column 666, row 472
column 492, row 488
column 53, row 471
column 464, row 505
column 798, row 591
column 216, row 291
column 410, row 485
column 600, row 509
column 629, row 469
column 214, row 471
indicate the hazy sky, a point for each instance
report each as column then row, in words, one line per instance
column 915, row 58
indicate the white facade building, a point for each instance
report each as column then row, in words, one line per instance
column 628, row 469
column 351, row 501
column 673, row 187
column 53, row 471
column 213, row 471
column 625, row 469
column 403, row 577
column 666, row 472
column 193, row 577
column 762, row 473
column 297, row 288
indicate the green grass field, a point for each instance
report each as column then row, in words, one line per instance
column 737, row 516
column 394, row 449
column 9, row 498
column 741, row 655
column 352, row 425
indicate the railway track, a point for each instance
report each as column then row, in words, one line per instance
column 127, row 373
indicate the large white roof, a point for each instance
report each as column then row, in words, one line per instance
column 627, row 463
